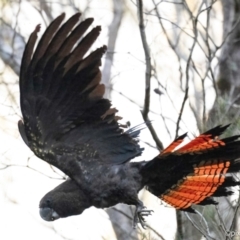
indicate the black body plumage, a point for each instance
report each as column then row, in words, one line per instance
column 67, row 123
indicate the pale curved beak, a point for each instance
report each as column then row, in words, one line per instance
column 48, row 214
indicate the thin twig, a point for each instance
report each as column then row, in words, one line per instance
column 148, row 74
column 222, row 225
column 199, row 229
column 194, row 23
column 27, row 166
column 147, row 59
column 113, row 33
column 204, row 220
column 181, row 111
column 235, row 214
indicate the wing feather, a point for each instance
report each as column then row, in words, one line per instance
column 62, row 101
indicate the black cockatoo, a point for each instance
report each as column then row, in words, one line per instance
column 67, row 123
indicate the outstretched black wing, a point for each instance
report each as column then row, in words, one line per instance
column 66, row 120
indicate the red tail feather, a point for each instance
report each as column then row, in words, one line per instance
column 195, row 172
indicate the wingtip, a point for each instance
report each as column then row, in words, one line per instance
column 98, row 28
column 90, row 20
column 37, row 28
column 78, row 14
column 218, row 130
column 182, row 136
column 62, row 15
column 223, row 127
column 104, row 48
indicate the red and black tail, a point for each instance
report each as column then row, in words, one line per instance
column 196, row 172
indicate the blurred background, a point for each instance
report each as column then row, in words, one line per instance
column 174, row 62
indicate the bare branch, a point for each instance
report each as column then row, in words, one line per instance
column 148, row 74
column 27, row 166
column 113, row 33
column 198, row 228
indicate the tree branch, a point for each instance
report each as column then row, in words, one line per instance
column 148, row 74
